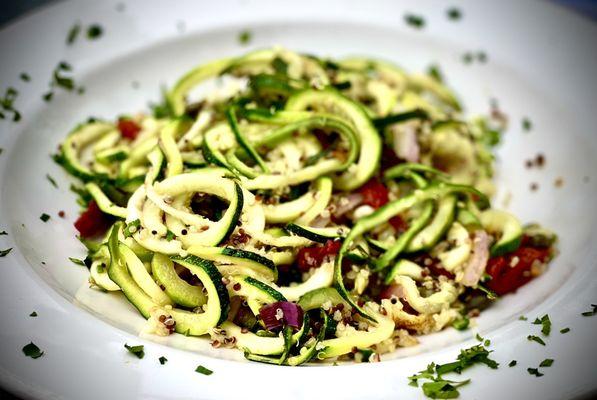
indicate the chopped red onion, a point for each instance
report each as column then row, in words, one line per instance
column 346, row 204
column 477, row 262
column 281, row 313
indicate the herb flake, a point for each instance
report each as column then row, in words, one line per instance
column 73, row 33
column 44, row 217
column 52, row 181
column 534, row 371
column 461, row 324
column 163, row 360
column 202, row 370
column 245, row 37
column 527, row 125
column 4, row 253
column 537, row 339
column 33, row 314
column 564, row 330
column 512, row 363
column 25, row 77
column 77, row 261
column 415, row 21
column 454, row 14
column 546, row 324
column 94, row 31
column 31, row 350
column 548, row 362
column 136, row 350
column 590, row 313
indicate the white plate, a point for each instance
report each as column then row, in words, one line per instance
column 542, row 62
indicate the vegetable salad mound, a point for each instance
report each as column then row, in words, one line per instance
column 300, row 209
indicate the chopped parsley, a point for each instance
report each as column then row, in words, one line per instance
column 435, row 72
column 4, row 253
column 545, row 322
column 25, row 77
column 564, row 330
column 592, row 312
column 33, row 314
column 94, row 31
column 163, row 360
column 537, row 339
column 415, row 21
column 169, row 235
column 31, row 350
column 548, row 362
column 527, row 125
column 534, row 371
column 202, row 370
column 244, row 37
column 437, row 386
column 131, row 228
column 454, row 14
column 3, row 233
column 60, row 79
column 44, row 217
column 461, row 323
column 522, row 318
column 136, row 350
column 467, row 58
column 512, row 363
column 52, row 181
column 77, row 261
column 280, row 66
column 47, row 97
column 482, row 57
column 7, row 104
column 73, row 33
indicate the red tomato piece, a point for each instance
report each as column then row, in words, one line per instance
column 374, row 193
column 313, row 256
column 128, row 128
column 506, row 278
column 92, row 222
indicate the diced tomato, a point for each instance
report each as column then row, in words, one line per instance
column 92, row 222
column 374, row 193
column 313, row 256
column 506, row 279
column 128, row 128
column 388, row 158
column 398, row 223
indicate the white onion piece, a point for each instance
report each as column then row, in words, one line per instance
column 477, row 262
column 405, row 142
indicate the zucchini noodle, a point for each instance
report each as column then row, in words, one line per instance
column 349, row 191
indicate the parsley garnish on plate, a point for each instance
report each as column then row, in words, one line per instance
column 415, row 21
column 546, row 363
column 202, row 370
column 534, row 371
column 73, row 33
column 454, row 14
column 564, row 330
column 461, row 323
column 537, row 339
column 169, row 235
column 545, row 322
column 7, row 104
column 527, row 125
column 163, row 360
column 77, row 261
column 522, row 318
column 512, row 363
column 33, row 314
column 244, row 37
column 4, row 253
column 52, row 181
column 3, row 233
column 94, row 31
column 136, row 350
column 437, row 386
column 25, row 77
column 435, row 72
column 592, row 312
column 44, row 217
column 31, row 350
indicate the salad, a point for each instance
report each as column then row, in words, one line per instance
column 300, row 209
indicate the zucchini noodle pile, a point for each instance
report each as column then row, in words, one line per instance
column 298, row 208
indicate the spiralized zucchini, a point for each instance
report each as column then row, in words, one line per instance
column 351, row 189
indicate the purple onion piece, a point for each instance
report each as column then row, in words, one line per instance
column 281, row 313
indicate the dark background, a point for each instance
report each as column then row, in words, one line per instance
column 12, row 9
